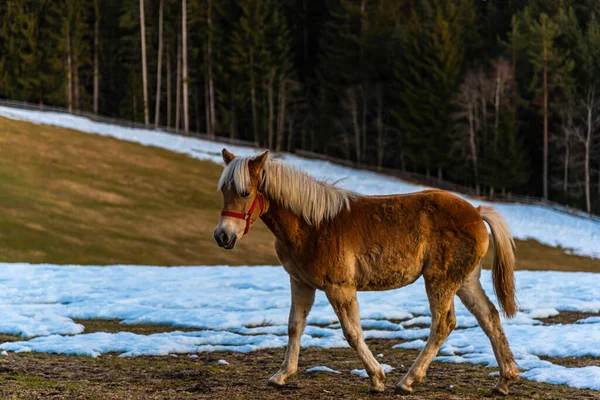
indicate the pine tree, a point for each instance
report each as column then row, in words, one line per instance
column 506, row 166
column 551, row 64
column 429, row 74
column 18, row 50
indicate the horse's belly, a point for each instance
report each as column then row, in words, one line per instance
column 386, row 274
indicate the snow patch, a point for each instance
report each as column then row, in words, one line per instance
column 363, row 373
column 322, row 368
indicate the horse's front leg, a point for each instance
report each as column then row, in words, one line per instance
column 303, row 297
column 344, row 303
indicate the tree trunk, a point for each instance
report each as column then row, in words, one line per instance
column 566, row 165
column 484, row 116
column 96, row 57
column 355, row 124
column 232, row 124
column 473, row 146
column 178, row 87
column 497, row 108
column 545, row 127
column 211, row 88
column 363, row 130
column 197, row 104
column 134, row 101
column 69, row 72
column 186, row 114
column 514, row 72
column 380, row 126
column 75, row 82
column 169, row 77
column 290, row 138
column 271, row 108
column 207, row 105
column 282, row 111
column 568, row 125
column 253, row 99
column 159, row 67
column 144, row 64
column 588, row 142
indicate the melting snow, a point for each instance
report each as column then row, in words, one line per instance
column 322, row 369
column 244, row 309
column 363, row 373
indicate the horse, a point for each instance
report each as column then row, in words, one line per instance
column 337, row 241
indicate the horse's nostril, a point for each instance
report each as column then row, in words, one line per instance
column 218, row 235
column 224, row 238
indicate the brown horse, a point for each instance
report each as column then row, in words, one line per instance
column 339, row 242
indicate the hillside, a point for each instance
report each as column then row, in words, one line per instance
column 69, row 197
column 73, row 198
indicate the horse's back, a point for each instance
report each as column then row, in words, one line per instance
column 394, row 239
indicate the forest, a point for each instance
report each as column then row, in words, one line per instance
column 500, row 95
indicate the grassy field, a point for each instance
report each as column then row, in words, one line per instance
column 69, row 197
column 74, row 198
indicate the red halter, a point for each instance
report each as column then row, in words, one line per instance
column 248, row 215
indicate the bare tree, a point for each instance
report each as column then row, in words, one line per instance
column 212, row 121
column 159, row 66
column 169, row 77
column 503, row 81
column 144, row 63
column 186, row 115
column 69, row 69
column 352, row 106
column 96, row 57
column 253, row 97
column 283, row 99
column 178, row 86
column 590, row 106
column 270, row 101
column 380, row 125
column 567, row 115
column 468, row 102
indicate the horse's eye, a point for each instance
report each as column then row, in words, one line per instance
column 245, row 194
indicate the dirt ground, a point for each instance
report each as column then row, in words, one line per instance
column 44, row 376
column 51, row 376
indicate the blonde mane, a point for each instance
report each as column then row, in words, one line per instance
column 293, row 189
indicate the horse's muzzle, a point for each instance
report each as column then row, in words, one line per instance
column 223, row 240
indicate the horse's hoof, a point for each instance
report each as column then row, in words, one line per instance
column 276, row 381
column 379, row 388
column 501, row 390
column 403, row 389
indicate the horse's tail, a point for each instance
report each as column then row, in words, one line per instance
column 504, row 260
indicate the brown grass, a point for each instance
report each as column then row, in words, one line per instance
column 72, row 197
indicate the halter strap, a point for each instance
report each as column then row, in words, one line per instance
column 248, row 215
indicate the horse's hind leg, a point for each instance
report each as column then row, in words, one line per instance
column 303, row 297
column 474, row 298
column 345, row 305
column 443, row 320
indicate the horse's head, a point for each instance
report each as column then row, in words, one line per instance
column 242, row 202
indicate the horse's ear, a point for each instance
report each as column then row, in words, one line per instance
column 227, row 156
column 258, row 162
